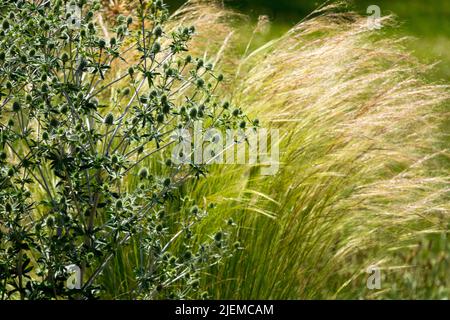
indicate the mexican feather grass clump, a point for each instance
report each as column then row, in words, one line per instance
column 363, row 177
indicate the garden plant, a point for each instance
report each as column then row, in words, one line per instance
column 93, row 95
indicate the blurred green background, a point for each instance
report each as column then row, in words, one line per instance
column 427, row 21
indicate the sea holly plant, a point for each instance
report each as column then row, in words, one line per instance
column 87, row 112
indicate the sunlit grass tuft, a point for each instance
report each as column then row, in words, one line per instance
column 361, row 180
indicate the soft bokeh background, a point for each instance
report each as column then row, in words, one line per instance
column 427, row 21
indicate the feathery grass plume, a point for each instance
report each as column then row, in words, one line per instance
column 217, row 36
column 361, row 180
column 358, row 181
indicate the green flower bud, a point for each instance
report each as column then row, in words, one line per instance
column 160, row 118
column 218, row 236
column 143, row 173
column 167, row 182
column 166, row 108
column 156, row 47
column 44, row 88
column 236, row 112
column 119, row 204
column 159, row 228
column 242, row 125
column 158, row 31
column 188, row 59
column 8, row 207
column 114, row 159
column 188, row 255
column 130, row 71
column 50, row 222
column 3, row 155
column 65, row 57
column 193, row 113
column 5, row 24
column 200, row 83
column 143, row 99
column 168, row 162
column 102, row 43
column 54, row 122
column 16, row 106
column 129, row 20
column 45, row 136
column 11, row 172
column 109, row 119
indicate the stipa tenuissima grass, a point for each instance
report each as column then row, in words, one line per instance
column 361, row 179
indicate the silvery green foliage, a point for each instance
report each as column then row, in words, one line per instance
column 75, row 137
